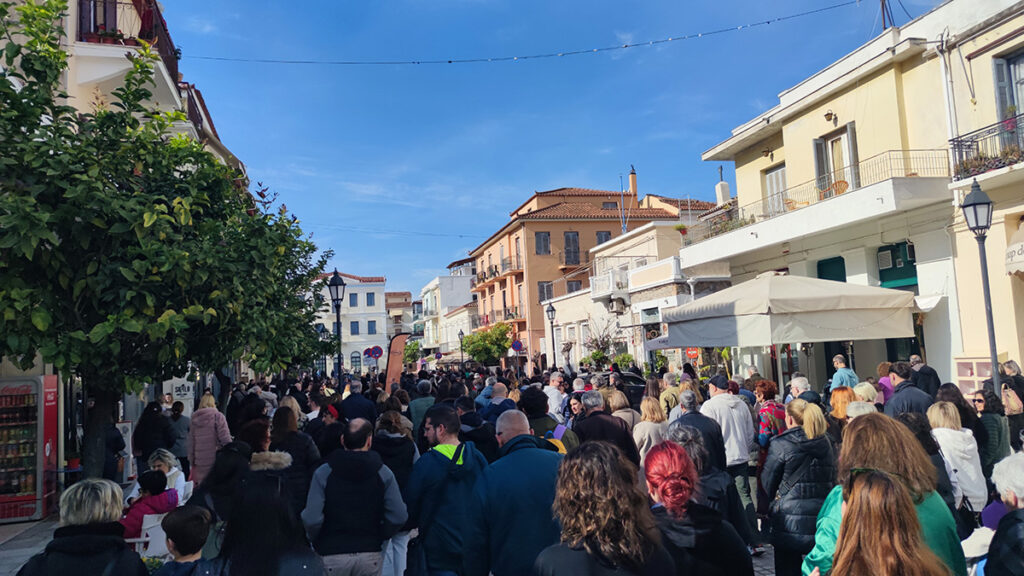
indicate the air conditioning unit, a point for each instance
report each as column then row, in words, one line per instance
column 617, row 306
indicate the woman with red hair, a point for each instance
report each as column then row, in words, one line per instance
column 696, row 536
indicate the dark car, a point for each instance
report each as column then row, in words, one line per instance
column 634, row 390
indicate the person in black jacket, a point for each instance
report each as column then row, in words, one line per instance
column 354, row 505
column 393, row 442
column 602, row 426
column 798, row 474
column 709, row 429
column 698, row 538
column 924, row 376
column 285, row 437
column 357, row 405
column 113, row 445
column 1006, row 551
column 152, row 431
column 475, row 429
column 90, row 540
column 906, row 397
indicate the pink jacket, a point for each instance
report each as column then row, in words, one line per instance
column 208, row 433
column 160, row 504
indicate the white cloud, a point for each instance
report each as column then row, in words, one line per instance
column 200, row 25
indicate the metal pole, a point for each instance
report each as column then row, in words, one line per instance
column 996, row 384
column 337, row 324
column 552, row 344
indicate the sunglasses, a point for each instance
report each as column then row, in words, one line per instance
column 978, row 400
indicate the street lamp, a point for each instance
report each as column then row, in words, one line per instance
column 324, row 335
column 337, row 287
column 977, row 208
column 462, row 353
column 550, row 311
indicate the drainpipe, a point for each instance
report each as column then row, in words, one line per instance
column 947, row 96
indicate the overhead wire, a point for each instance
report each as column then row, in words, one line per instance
column 482, row 60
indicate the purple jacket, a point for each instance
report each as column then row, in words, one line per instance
column 208, row 433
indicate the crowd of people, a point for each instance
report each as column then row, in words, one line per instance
column 478, row 472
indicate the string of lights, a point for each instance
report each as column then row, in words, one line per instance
column 648, row 43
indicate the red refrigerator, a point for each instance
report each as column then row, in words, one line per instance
column 28, row 447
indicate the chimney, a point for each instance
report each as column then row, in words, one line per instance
column 632, row 180
column 722, row 194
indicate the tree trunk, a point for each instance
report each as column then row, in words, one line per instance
column 100, row 415
column 225, row 388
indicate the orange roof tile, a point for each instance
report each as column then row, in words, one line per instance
column 364, row 279
column 683, row 202
column 581, row 211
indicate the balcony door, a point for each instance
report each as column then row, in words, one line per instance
column 572, row 247
column 775, row 190
column 835, row 162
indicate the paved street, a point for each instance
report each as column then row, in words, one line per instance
column 19, row 542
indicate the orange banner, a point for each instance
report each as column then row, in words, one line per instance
column 396, row 360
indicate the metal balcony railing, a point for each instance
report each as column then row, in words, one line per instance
column 511, row 313
column 126, row 22
column 610, row 281
column 573, row 257
column 879, row 168
column 989, row 148
column 511, row 264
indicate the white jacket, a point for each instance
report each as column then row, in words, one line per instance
column 733, row 415
column 555, row 398
column 959, row 448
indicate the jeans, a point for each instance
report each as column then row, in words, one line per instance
column 359, row 564
column 740, row 476
column 396, row 551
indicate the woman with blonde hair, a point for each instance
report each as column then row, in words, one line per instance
column 880, row 534
column 293, row 404
column 798, row 474
column 90, row 538
column 651, row 429
column 958, row 447
column 877, row 442
column 165, row 462
column 618, row 406
column 208, row 432
column 607, row 525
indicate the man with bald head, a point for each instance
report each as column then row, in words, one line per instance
column 499, row 403
column 512, row 503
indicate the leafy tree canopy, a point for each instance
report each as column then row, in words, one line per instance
column 488, row 346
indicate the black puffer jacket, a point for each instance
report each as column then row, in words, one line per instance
column 702, row 542
column 90, row 550
column 305, row 461
column 797, row 495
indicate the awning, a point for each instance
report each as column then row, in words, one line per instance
column 780, row 309
column 659, row 343
column 1015, row 253
column 927, row 303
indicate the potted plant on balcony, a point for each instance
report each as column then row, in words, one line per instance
column 682, row 228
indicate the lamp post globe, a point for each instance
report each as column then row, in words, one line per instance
column 336, row 286
column 550, row 312
column 977, row 210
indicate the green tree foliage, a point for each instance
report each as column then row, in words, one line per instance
column 127, row 252
column 412, row 352
column 488, row 346
column 623, row 360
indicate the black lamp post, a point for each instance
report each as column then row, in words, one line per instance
column 337, row 287
column 324, row 335
column 977, row 208
column 462, row 353
column 550, row 311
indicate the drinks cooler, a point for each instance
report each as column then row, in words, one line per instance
column 28, row 447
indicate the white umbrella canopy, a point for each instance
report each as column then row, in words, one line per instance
column 780, row 309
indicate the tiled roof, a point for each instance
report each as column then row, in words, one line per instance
column 581, row 211
column 460, row 262
column 396, row 294
column 685, row 202
column 578, row 192
column 464, row 306
column 364, row 279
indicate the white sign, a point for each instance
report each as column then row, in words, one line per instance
column 185, row 392
column 1015, row 253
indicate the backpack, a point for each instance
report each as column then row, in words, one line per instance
column 555, row 437
column 1011, row 401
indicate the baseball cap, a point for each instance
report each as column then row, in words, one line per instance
column 719, row 381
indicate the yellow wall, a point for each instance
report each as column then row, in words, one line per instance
column 751, row 164
column 973, row 84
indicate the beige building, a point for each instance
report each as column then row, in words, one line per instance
column 544, row 252
column 399, row 309
column 847, row 178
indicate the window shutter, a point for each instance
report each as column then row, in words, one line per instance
column 821, row 163
column 851, row 143
column 110, row 15
column 84, row 19
column 1004, row 88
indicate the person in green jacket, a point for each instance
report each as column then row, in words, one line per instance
column 877, row 442
column 990, row 409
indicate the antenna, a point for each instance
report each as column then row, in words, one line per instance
column 887, row 20
column 622, row 202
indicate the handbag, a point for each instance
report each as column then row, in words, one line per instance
column 1011, row 401
column 416, row 558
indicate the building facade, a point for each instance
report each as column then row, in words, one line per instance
column 440, row 296
column 364, row 321
column 399, row 309
column 543, row 252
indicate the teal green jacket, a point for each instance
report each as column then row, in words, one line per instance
column 936, row 523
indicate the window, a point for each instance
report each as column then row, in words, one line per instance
column 1009, row 79
column 371, row 326
column 370, row 299
column 353, row 299
column 573, row 286
column 835, row 162
column 774, row 186
column 572, row 247
column 353, row 328
column 603, row 237
column 609, row 205
column 543, row 242
column 357, row 362
column 543, row 291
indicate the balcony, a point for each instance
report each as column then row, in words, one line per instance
column 611, row 285
column 891, row 182
column 990, row 148
column 124, row 23
column 570, row 258
column 511, row 314
column 511, row 264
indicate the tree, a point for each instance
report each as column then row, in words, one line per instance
column 125, row 252
column 488, row 346
column 602, row 337
column 412, row 352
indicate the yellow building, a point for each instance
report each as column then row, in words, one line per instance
column 847, row 178
column 543, row 252
column 984, row 68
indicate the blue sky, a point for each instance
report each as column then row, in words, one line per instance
column 403, row 169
